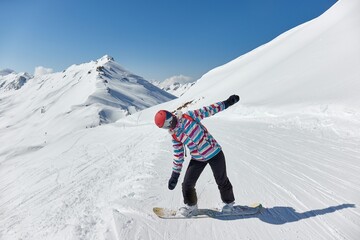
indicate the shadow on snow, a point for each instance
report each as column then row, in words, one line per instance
column 283, row 215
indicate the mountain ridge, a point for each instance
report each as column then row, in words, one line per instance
column 82, row 96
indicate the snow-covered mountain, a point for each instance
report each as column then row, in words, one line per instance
column 10, row 80
column 82, row 96
column 314, row 64
column 292, row 143
column 176, row 85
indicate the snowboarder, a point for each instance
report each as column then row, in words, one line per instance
column 186, row 129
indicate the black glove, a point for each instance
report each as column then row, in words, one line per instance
column 173, row 180
column 231, row 100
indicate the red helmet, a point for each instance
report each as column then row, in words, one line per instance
column 163, row 119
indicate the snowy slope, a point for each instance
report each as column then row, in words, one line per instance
column 292, row 143
column 316, row 63
column 81, row 188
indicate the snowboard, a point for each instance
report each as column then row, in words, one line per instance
column 239, row 211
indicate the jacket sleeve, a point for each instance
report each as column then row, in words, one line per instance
column 178, row 156
column 208, row 111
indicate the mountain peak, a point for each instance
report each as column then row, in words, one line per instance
column 10, row 80
column 104, row 59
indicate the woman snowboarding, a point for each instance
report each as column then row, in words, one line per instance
column 186, row 129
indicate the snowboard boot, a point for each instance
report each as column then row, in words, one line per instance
column 188, row 211
column 227, row 207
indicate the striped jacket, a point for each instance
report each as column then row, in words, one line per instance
column 194, row 135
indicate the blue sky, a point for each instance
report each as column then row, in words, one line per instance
column 155, row 39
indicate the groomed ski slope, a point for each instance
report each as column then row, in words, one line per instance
column 306, row 176
column 307, row 179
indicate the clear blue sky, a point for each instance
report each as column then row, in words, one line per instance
column 155, row 39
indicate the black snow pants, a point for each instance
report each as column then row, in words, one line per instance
column 218, row 168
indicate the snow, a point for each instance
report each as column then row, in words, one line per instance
column 10, row 80
column 53, row 105
column 292, row 143
column 176, row 85
column 313, row 64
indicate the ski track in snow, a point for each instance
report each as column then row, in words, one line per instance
column 307, row 181
column 76, row 186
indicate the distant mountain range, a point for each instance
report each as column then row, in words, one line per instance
column 176, row 87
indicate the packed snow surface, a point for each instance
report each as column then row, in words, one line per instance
column 292, row 144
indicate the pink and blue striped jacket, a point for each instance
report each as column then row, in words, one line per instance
column 194, row 135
